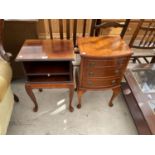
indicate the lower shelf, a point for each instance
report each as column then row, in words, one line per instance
column 49, row 79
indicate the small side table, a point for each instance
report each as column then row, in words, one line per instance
column 47, row 64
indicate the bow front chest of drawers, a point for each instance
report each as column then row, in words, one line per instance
column 103, row 63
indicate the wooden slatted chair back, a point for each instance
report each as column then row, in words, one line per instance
column 144, row 35
column 144, row 38
column 99, row 24
column 68, row 29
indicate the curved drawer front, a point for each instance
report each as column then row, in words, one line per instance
column 104, row 72
column 106, row 62
column 101, row 83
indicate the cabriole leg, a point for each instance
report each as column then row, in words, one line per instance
column 116, row 91
column 31, row 95
column 71, row 93
column 16, row 99
column 80, row 93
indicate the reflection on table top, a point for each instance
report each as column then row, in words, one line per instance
column 103, row 46
column 141, row 81
column 145, row 77
column 41, row 50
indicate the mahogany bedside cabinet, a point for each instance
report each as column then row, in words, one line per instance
column 103, row 63
column 47, row 64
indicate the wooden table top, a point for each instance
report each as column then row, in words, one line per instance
column 49, row 50
column 103, row 46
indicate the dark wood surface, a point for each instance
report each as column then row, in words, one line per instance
column 14, row 34
column 44, row 67
column 142, row 98
column 50, row 29
column 47, row 64
column 75, row 32
column 61, row 28
column 84, row 27
column 103, row 62
column 40, row 50
column 3, row 54
column 136, row 113
column 68, row 28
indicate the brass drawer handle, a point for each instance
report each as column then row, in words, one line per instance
column 113, row 81
column 90, row 73
column 117, row 71
column 90, row 82
column 120, row 61
column 92, row 64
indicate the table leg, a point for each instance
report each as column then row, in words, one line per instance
column 71, row 92
column 134, row 60
column 31, row 94
column 16, row 99
column 40, row 89
column 80, row 93
column 116, row 91
column 153, row 60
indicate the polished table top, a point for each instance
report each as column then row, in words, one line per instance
column 103, row 46
column 51, row 50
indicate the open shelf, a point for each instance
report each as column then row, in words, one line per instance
column 47, row 67
column 49, row 79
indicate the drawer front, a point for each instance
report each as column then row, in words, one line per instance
column 101, row 83
column 103, row 72
column 109, row 62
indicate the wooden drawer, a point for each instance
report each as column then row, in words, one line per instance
column 101, row 82
column 106, row 62
column 104, row 72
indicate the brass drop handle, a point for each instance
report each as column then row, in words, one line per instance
column 91, row 73
column 120, row 61
column 92, row 64
column 90, row 82
column 113, row 81
column 117, row 71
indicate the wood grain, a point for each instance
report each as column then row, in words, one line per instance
column 106, row 46
column 103, row 62
column 40, row 50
